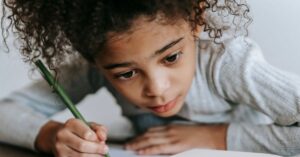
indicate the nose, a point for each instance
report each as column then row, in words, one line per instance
column 157, row 84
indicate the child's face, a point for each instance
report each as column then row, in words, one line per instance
column 152, row 66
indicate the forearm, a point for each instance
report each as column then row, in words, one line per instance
column 19, row 124
column 281, row 140
column 26, row 111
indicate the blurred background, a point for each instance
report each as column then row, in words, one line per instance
column 275, row 28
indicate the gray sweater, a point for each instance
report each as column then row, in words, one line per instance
column 233, row 84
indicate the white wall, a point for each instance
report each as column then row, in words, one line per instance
column 13, row 71
column 275, row 28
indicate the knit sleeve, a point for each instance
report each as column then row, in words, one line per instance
column 244, row 77
column 274, row 139
column 25, row 111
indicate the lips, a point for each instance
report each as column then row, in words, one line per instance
column 164, row 108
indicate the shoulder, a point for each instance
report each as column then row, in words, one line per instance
column 224, row 63
column 240, row 49
column 233, row 52
column 234, row 47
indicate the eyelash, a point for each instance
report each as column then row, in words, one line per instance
column 176, row 55
column 122, row 76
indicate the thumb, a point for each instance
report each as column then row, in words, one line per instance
column 100, row 130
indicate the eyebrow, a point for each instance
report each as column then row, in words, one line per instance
column 157, row 52
column 117, row 65
column 168, row 46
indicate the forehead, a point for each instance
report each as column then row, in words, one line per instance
column 144, row 36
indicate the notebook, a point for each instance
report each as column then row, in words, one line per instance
column 219, row 153
column 118, row 151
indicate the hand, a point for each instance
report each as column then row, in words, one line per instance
column 174, row 139
column 74, row 138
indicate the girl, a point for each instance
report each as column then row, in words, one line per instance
column 151, row 57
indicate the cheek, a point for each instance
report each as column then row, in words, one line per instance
column 188, row 67
column 131, row 91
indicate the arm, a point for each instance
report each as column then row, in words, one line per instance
column 26, row 111
column 275, row 139
column 244, row 77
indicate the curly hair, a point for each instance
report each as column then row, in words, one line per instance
column 52, row 29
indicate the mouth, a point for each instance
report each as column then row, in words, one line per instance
column 165, row 107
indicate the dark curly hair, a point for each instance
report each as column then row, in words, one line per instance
column 52, row 29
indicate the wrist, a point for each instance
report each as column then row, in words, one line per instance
column 222, row 137
column 46, row 138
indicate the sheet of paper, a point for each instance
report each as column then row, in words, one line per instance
column 218, row 153
column 118, row 151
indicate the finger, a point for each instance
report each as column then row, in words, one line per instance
column 157, row 132
column 69, row 152
column 147, row 141
column 100, row 130
column 84, row 146
column 157, row 128
column 163, row 149
column 95, row 125
column 142, row 144
column 82, row 130
column 150, row 135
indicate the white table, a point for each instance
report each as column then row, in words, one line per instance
column 11, row 151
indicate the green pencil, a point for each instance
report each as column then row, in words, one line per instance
column 60, row 91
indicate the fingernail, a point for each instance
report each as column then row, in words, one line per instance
column 106, row 149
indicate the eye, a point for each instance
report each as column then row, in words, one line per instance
column 126, row 75
column 172, row 58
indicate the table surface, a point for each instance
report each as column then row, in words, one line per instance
column 12, row 151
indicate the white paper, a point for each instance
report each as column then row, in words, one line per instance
column 118, row 151
column 219, row 153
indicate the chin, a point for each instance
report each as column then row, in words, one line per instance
column 165, row 114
